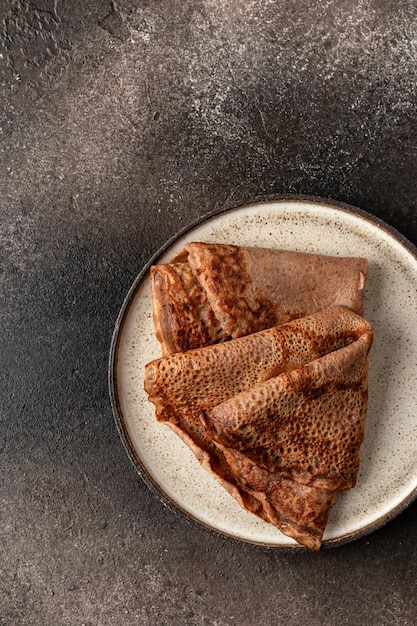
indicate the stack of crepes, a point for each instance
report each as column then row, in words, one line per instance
column 264, row 374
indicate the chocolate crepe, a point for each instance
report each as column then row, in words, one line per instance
column 306, row 424
column 213, row 292
column 185, row 387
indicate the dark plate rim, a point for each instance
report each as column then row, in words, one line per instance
column 112, row 366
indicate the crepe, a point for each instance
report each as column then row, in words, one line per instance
column 186, row 386
column 299, row 511
column 182, row 315
column 306, row 424
column 210, row 293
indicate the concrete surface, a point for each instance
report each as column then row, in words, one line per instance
column 122, row 122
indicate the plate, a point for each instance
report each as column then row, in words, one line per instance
column 387, row 479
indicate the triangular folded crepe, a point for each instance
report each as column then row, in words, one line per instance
column 213, row 292
column 185, row 387
column 306, row 424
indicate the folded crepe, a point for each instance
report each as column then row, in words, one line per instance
column 210, row 293
column 306, row 424
column 186, row 387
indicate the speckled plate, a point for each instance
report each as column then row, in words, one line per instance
column 387, row 479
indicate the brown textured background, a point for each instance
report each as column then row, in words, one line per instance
column 121, row 123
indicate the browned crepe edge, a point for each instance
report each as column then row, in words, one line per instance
column 183, row 318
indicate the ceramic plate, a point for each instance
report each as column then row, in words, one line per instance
column 387, row 480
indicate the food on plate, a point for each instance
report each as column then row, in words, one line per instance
column 306, row 424
column 182, row 315
column 213, row 292
column 205, row 395
column 299, row 511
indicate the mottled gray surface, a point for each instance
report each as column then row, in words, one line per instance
column 122, row 122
